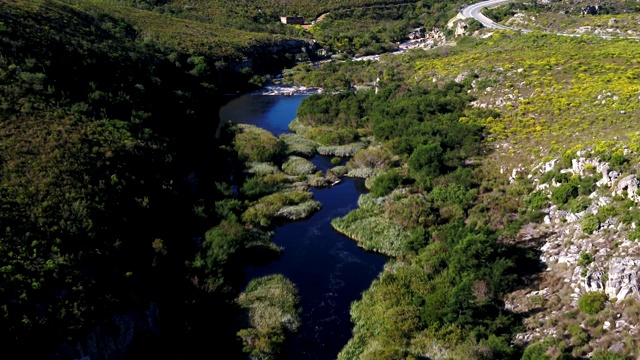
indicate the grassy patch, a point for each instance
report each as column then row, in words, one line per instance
column 272, row 306
column 279, row 204
column 298, row 145
column 255, row 144
column 298, row 166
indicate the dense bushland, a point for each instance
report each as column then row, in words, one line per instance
column 105, row 198
column 441, row 295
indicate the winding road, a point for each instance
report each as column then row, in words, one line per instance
column 473, row 11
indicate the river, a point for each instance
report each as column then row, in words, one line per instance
column 329, row 270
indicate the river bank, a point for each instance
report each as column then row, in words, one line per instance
column 329, row 270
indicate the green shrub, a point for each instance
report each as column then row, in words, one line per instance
column 335, row 161
column 426, row 160
column 536, row 352
column 606, row 212
column 592, row 302
column 332, row 136
column 536, row 216
column 298, row 145
column 578, row 204
column 272, row 305
column 554, row 175
column 260, row 185
column 607, row 355
column 298, row 166
column 618, row 159
column 579, row 336
column 585, row 259
column 385, row 183
column 563, row 193
column 589, row 224
column 536, row 200
column 257, row 145
column 585, row 184
column 591, row 321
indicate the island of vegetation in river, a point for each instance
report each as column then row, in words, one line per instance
column 483, row 160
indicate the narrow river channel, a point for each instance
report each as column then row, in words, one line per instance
column 329, row 270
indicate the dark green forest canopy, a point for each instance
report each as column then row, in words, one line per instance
column 405, row 119
column 249, row 13
column 99, row 130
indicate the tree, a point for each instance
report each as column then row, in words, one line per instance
column 425, row 160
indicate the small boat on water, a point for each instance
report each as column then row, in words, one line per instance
column 336, row 182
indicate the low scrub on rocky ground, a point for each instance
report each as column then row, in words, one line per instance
column 607, row 18
column 589, row 245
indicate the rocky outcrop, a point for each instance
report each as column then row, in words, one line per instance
column 628, row 184
column 454, row 20
column 594, row 281
column 608, row 177
column 418, row 33
column 581, row 166
column 461, row 29
column 578, row 261
column 623, row 278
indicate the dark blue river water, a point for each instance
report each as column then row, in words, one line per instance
column 329, row 270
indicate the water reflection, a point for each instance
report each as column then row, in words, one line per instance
column 329, row 269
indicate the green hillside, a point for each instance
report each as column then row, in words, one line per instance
column 106, row 115
column 108, row 210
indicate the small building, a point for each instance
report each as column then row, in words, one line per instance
column 292, row 20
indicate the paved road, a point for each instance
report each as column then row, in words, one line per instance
column 473, row 11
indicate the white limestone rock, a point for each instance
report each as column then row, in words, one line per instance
column 623, row 278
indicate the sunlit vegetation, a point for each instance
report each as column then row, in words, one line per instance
column 298, row 145
column 253, row 14
column 298, row 166
column 271, row 302
column 440, row 295
column 105, row 201
column 280, row 203
column 378, row 29
column 613, row 18
column 550, row 95
column 254, row 144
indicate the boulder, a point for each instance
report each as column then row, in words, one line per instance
column 461, row 29
column 593, row 281
column 418, row 33
column 623, row 278
column 548, row 166
column 630, row 184
column 463, row 75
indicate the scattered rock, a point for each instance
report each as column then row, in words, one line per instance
column 593, row 281
column 628, row 184
column 623, row 278
column 463, row 75
column 617, row 348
